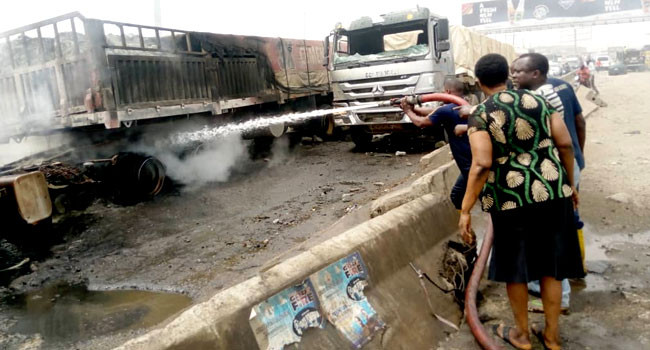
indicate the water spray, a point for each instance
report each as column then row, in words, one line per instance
column 207, row 134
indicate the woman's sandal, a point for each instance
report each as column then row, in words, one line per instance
column 505, row 335
column 539, row 333
column 537, row 306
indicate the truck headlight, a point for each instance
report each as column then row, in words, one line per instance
column 427, row 83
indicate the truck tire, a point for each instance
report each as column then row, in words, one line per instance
column 326, row 127
column 361, row 138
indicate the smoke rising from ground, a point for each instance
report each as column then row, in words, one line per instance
column 210, row 162
column 37, row 114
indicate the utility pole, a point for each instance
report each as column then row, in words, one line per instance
column 575, row 41
column 157, row 17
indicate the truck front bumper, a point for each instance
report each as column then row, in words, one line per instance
column 370, row 117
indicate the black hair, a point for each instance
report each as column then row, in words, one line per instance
column 492, row 70
column 537, row 61
column 454, row 84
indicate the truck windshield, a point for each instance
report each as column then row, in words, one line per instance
column 378, row 44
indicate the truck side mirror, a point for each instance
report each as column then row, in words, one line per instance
column 326, row 54
column 442, row 46
column 442, row 30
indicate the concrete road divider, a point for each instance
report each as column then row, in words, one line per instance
column 589, row 100
column 413, row 232
column 439, row 180
column 435, row 159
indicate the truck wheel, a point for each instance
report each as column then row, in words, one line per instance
column 361, row 138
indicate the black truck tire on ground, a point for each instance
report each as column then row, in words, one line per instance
column 361, row 137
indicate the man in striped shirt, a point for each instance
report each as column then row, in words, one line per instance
column 529, row 71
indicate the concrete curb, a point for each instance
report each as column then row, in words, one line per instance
column 440, row 180
column 436, row 158
column 409, row 233
column 588, row 100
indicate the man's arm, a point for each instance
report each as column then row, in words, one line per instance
column 460, row 129
column 581, row 130
column 423, row 111
column 418, row 120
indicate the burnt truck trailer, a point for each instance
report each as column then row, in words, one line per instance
column 72, row 72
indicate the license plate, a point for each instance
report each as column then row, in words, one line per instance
column 386, row 127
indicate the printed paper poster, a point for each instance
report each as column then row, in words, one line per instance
column 340, row 291
column 282, row 319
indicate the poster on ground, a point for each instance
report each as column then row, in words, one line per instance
column 340, row 291
column 282, row 319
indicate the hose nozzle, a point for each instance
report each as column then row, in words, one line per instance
column 395, row 102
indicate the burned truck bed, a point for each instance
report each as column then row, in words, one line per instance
column 74, row 72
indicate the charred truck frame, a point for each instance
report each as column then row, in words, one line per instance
column 75, row 72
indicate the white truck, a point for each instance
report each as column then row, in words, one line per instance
column 403, row 53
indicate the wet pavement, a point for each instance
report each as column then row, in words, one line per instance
column 61, row 315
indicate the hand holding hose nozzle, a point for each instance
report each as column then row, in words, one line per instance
column 420, row 99
column 397, row 101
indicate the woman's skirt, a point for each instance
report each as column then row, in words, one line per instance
column 534, row 241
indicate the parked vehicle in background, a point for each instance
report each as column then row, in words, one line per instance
column 573, row 63
column 602, row 62
column 634, row 60
column 646, row 53
column 617, row 68
column 406, row 53
column 555, row 69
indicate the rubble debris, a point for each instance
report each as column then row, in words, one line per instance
column 620, row 197
column 400, row 153
column 351, row 183
column 597, row 266
column 378, row 184
column 346, row 197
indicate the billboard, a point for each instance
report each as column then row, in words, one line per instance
column 498, row 11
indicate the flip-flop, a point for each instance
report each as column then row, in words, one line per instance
column 536, row 306
column 506, row 336
column 540, row 336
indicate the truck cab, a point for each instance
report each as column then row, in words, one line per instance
column 402, row 53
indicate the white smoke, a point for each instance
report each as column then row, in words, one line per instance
column 212, row 162
column 280, row 153
column 37, row 114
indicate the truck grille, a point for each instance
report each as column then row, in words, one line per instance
column 379, row 89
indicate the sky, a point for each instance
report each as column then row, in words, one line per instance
column 294, row 18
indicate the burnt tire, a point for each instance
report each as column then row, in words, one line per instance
column 361, row 138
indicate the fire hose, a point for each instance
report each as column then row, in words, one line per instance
column 471, row 312
column 420, row 99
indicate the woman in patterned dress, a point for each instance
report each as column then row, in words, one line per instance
column 522, row 173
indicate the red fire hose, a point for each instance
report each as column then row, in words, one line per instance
column 419, row 99
column 471, row 314
column 441, row 97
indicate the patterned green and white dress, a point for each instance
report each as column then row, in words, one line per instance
column 526, row 166
column 527, row 191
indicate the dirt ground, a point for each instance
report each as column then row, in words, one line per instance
column 610, row 309
column 198, row 241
